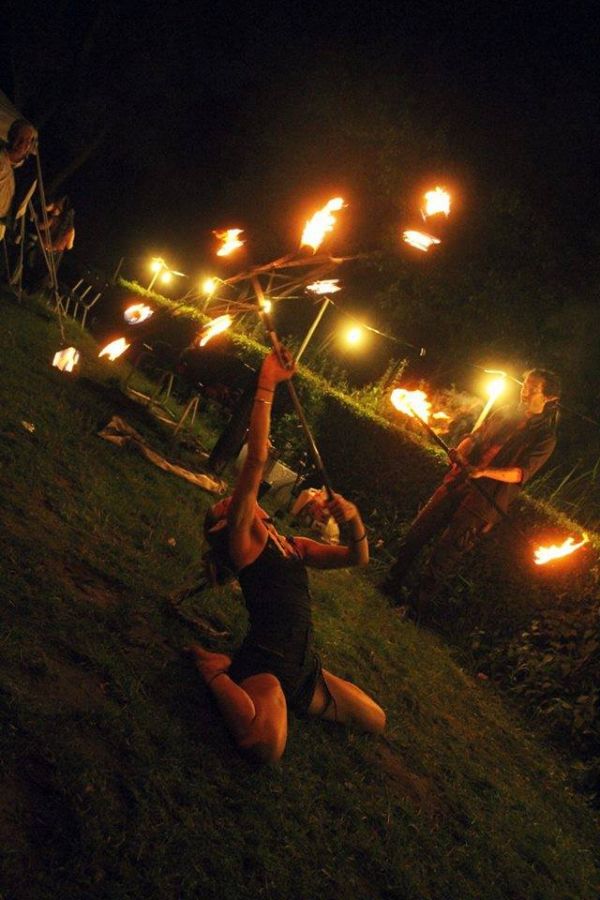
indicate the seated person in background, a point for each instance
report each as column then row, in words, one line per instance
column 56, row 238
column 276, row 667
column 311, row 509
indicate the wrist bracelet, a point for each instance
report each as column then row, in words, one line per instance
column 358, row 540
column 258, row 400
column 261, row 387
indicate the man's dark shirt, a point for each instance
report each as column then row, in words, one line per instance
column 505, row 440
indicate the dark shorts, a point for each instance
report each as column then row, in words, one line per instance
column 298, row 680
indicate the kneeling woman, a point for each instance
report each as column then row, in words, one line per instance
column 276, row 667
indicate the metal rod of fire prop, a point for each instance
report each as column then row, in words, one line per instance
column 313, row 327
column 441, row 443
column 276, row 344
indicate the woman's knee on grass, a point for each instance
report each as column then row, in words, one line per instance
column 350, row 705
column 267, row 736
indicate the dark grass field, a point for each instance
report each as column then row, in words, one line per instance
column 117, row 777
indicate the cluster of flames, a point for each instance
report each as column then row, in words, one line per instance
column 543, row 555
column 411, row 402
column 437, row 202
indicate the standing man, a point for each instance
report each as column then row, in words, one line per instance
column 20, row 139
column 504, row 452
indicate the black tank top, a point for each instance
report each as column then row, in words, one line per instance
column 277, row 597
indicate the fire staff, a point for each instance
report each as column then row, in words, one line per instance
column 276, row 668
column 504, row 452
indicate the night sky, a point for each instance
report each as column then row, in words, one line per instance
column 192, row 117
column 184, row 92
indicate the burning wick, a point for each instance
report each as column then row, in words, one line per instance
column 217, row 326
column 137, row 313
column 546, row 554
column 114, row 349
column 66, row 360
column 407, row 401
column 327, row 286
column 420, row 240
column 437, row 201
column 230, row 240
column 321, row 224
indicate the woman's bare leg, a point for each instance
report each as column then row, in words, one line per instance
column 255, row 711
column 348, row 705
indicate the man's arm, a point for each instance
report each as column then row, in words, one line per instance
column 513, row 475
column 530, row 463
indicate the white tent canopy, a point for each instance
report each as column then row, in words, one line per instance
column 8, row 114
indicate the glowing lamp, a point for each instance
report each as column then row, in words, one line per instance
column 209, row 286
column 494, row 388
column 354, row 335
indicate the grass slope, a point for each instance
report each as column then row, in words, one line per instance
column 117, row 777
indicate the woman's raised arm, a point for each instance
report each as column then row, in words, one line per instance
column 242, row 510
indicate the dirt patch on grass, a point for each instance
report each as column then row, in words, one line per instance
column 89, row 584
column 419, row 791
column 70, row 687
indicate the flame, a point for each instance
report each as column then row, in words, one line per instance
column 230, row 241
column 327, row 286
column 440, row 415
column 437, row 201
column 543, row 555
column 216, row 326
column 137, row 313
column 411, row 402
column 420, row 239
column 321, row 224
column 114, row 349
column 66, row 360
